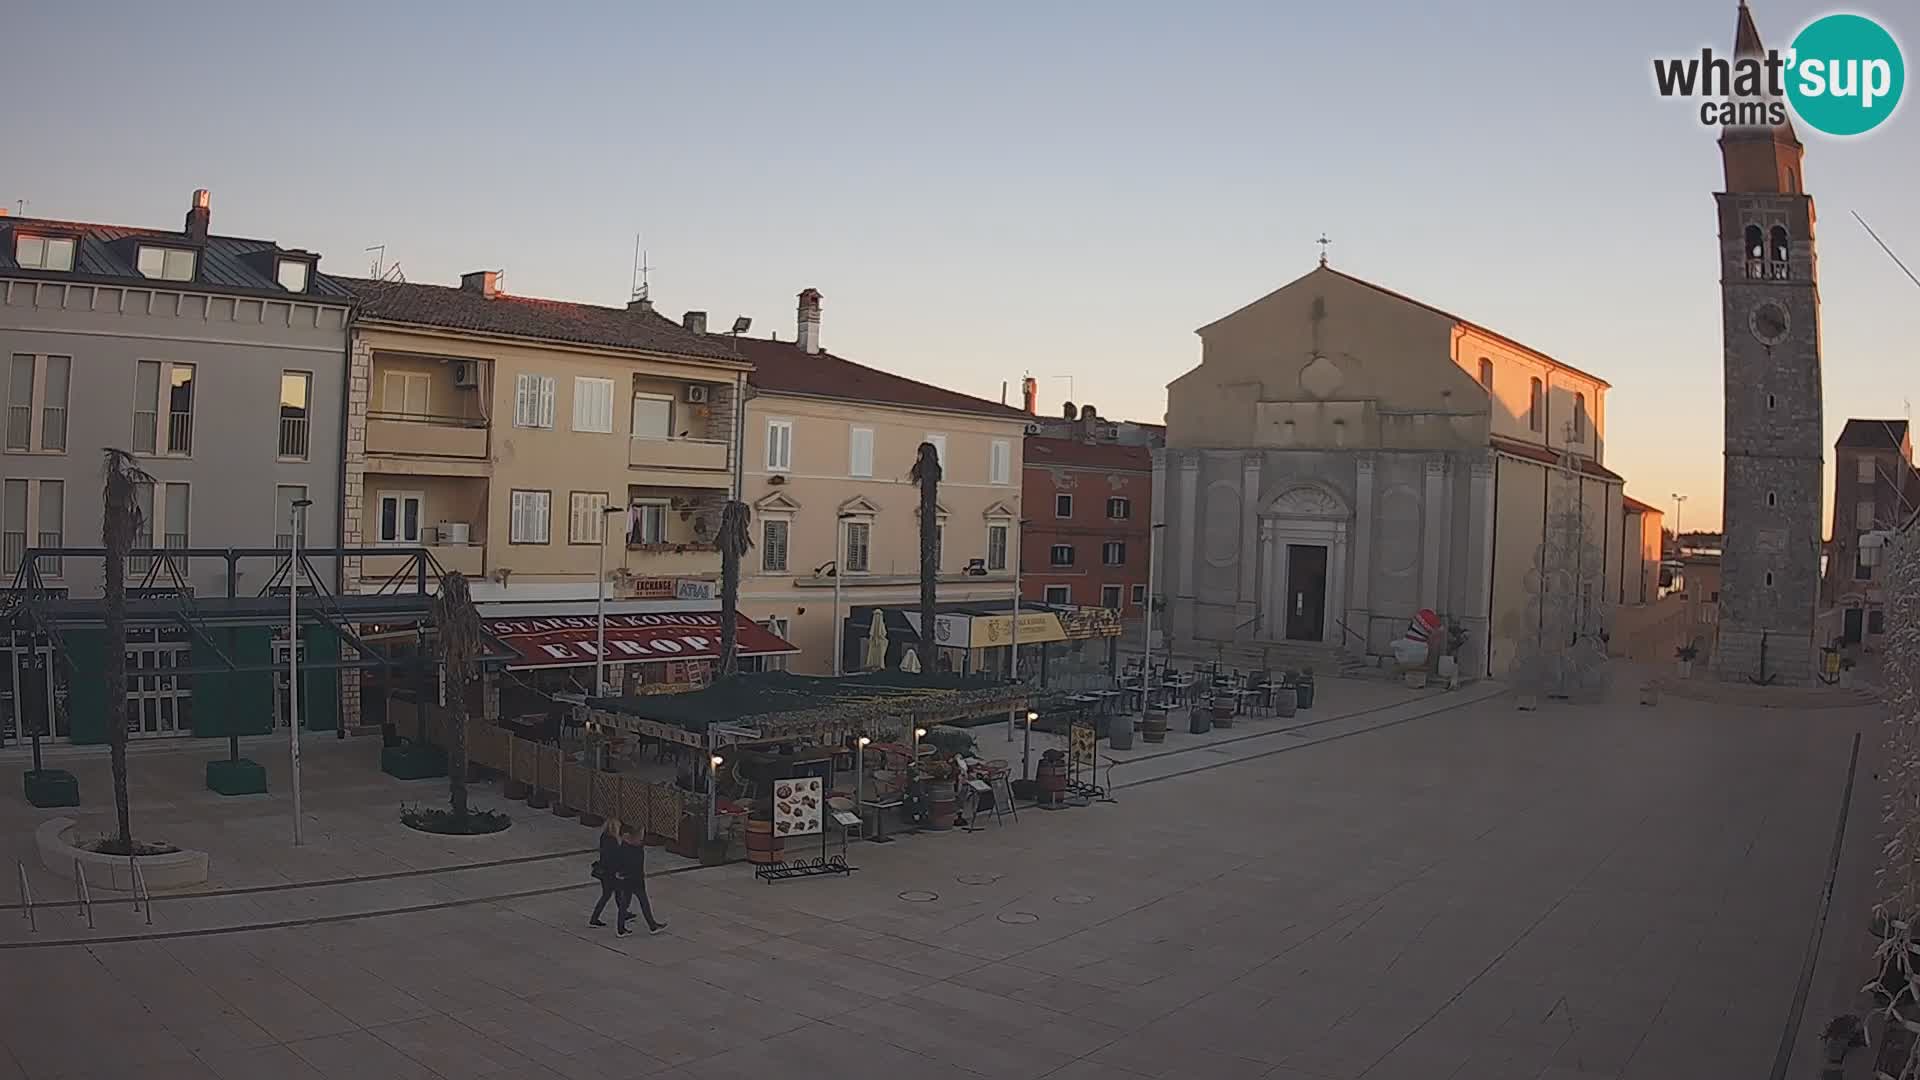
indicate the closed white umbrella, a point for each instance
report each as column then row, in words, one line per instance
column 877, row 643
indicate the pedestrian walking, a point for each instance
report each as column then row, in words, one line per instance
column 605, row 868
column 631, row 882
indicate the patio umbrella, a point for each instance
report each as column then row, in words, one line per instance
column 877, row 643
column 910, row 660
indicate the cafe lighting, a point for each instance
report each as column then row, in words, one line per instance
column 919, row 733
column 718, row 761
column 864, row 740
column 1032, row 716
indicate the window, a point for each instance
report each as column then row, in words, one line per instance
column 939, row 441
column 1059, row 594
column 646, row 523
column 1756, row 244
column 1769, row 579
column 1876, row 621
column 1579, row 417
column 1113, row 553
column 1863, row 513
column 1486, row 373
column 1063, row 506
column 143, row 536
column 773, row 545
column 1139, row 594
column 1536, row 406
column 146, row 403
column 404, row 393
column 858, row 549
column 43, row 252
column 54, row 384
column 291, row 274
column 1119, row 509
column 180, row 409
column 13, row 526
column 1772, row 499
column 592, row 404
column 997, row 547
column 20, row 403
column 1866, row 473
column 1062, row 555
column 1000, row 462
column 50, row 530
column 296, row 388
column 176, row 506
column 1777, row 243
column 1713, row 597
column 1861, row 571
column 533, row 401
column 652, row 417
column 284, row 496
column 1771, row 401
column 166, row 264
column 1110, row 596
column 586, row 517
column 529, row 514
column 779, row 446
column 859, row 451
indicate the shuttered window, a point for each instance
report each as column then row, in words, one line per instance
column 530, row 513
column 592, row 404
column 533, row 401
column 586, row 517
column 860, row 452
column 773, row 545
column 1001, row 462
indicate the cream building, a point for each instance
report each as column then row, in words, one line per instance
column 494, row 430
column 1345, row 456
column 828, row 446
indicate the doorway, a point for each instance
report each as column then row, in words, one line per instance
column 1850, row 634
column 1306, row 592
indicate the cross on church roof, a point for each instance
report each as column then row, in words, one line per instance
column 1323, row 242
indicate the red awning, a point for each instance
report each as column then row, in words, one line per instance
column 569, row 640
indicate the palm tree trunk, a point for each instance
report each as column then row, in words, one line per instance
column 119, row 525
column 926, row 473
column 458, row 624
column 734, row 542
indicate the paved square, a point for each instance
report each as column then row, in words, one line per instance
column 1427, row 888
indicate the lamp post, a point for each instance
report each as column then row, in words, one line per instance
column 1026, row 747
column 293, row 659
column 1146, row 659
column 1013, row 652
column 600, row 606
column 860, row 772
column 1679, row 500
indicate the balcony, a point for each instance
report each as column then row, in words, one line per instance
column 468, row 559
column 683, row 455
column 672, row 560
column 413, row 435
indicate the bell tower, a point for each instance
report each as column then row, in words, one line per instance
column 1770, row 328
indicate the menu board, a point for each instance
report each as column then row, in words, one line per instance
column 796, row 806
column 1081, row 740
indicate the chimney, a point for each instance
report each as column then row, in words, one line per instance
column 484, row 282
column 695, row 321
column 809, row 336
column 640, row 303
column 1068, row 412
column 199, row 216
column 1030, row 391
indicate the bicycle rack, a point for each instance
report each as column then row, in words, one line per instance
column 26, row 898
column 140, row 892
column 81, row 893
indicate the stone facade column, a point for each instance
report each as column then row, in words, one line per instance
column 1248, row 605
column 353, row 492
column 1189, row 483
column 1480, row 536
column 1433, row 532
column 1359, row 611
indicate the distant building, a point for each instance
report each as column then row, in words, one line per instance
column 1641, row 549
column 1089, row 532
column 1875, row 488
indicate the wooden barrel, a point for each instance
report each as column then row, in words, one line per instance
column 1052, row 778
column 1153, row 727
column 1223, row 712
column 944, row 805
column 762, row 846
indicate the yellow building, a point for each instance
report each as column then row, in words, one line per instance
column 828, row 446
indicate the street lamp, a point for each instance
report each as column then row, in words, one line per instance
column 1146, row 660
column 1026, row 746
column 1013, row 652
column 1679, row 500
column 294, row 521
column 600, row 606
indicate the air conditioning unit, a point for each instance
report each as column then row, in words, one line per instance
column 454, row 532
column 1033, row 429
column 696, row 394
column 466, row 373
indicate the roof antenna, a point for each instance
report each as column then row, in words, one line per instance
column 379, row 258
column 640, row 289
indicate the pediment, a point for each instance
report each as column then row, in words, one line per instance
column 1307, row 501
column 860, row 505
column 999, row 509
column 777, row 502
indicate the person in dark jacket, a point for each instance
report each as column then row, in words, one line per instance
column 631, row 881
column 604, row 866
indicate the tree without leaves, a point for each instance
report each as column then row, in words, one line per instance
column 458, row 623
column 926, row 473
column 121, row 521
column 734, row 540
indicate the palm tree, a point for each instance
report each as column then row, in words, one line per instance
column 458, row 623
column 926, row 473
column 734, row 540
column 120, row 522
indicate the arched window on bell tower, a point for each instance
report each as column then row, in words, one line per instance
column 1778, row 249
column 1756, row 245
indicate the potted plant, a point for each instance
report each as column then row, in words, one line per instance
column 1686, row 654
column 1449, row 666
column 1303, row 688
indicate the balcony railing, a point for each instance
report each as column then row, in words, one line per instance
column 13, row 548
column 19, row 427
column 435, row 436
column 53, row 427
column 293, row 437
column 180, row 433
column 50, row 565
column 1767, row 270
column 644, row 452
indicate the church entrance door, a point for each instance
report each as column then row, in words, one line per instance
column 1306, row 592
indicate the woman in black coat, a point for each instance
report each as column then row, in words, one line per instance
column 605, row 869
column 631, row 881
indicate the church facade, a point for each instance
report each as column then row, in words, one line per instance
column 1345, row 456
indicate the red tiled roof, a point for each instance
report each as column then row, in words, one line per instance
column 1545, row 456
column 454, row 308
column 783, row 367
column 1073, row 453
column 1636, row 506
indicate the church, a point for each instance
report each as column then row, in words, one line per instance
column 1345, row 456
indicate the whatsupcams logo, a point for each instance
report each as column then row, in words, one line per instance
column 1843, row 76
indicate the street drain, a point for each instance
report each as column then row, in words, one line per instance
column 919, row 896
column 1073, row 898
column 977, row 879
column 1018, row 917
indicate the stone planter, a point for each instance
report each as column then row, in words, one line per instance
column 58, row 853
column 1120, row 733
column 51, row 787
column 1649, row 695
column 1449, row 667
column 1199, row 722
column 412, row 761
column 236, row 776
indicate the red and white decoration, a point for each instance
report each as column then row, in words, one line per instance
column 570, row 640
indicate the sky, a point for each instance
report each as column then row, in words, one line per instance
column 997, row 189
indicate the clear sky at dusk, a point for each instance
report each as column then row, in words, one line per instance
column 986, row 190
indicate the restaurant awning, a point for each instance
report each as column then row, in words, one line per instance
column 570, row 640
